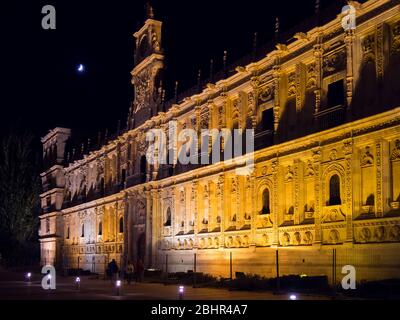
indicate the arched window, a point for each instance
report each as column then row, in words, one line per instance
column 67, row 237
column 168, row 218
column 121, row 225
column 334, row 191
column 100, row 228
column 83, row 230
column 265, row 202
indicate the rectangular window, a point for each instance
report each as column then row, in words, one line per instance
column 336, row 94
column 267, row 120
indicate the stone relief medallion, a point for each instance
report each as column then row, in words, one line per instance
column 238, row 241
column 246, row 241
column 285, row 241
column 380, row 233
column 229, row 242
column 202, row 243
column 334, row 236
column 264, row 240
column 308, row 237
column 365, row 234
column 297, row 238
column 333, row 155
column 394, row 234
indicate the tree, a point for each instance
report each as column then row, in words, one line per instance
column 19, row 192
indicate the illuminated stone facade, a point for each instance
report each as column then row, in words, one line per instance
column 325, row 110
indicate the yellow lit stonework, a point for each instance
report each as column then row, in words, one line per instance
column 337, row 186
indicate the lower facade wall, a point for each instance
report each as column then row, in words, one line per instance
column 95, row 263
column 371, row 263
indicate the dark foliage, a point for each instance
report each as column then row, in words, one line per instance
column 19, row 198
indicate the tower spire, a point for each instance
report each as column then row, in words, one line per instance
column 277, row 27
column 255, row 46
column 149, row 10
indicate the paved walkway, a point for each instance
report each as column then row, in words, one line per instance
column 13, row 286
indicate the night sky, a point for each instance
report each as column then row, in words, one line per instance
column 41, row 89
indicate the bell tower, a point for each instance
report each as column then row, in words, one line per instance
column 148, row 70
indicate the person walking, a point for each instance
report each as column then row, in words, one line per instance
column 114, row 269
column 130, row 269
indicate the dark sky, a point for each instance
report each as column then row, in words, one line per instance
column 41, row 89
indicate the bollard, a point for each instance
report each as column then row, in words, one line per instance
column 118, row 287
column 78, row 283
column 181, row 291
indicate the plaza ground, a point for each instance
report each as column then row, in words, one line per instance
column 13, row 286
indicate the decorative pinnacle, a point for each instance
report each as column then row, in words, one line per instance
column 277, row 26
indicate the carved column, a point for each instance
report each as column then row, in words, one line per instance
column 198, row 127
column 126, row 228
column 194, row 207
column 298, row 189
column 251, row 108
column 318, row 54
column 156, row 227
column 277, row 78
column 275, row 204
column 221, row 206
column 318, row 195
column 348, row 153
column 350, row 49
column 382, row 176
column 252, row 101
column 173, row 214
column 148, row 228
column 250, row 194
column 300, row 86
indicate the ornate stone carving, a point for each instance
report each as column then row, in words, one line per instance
column 394, row 233
column 308, row 237
column 396, row 38
column 292, row 85
column 368, row 48
column 396, row 151
column 380, row 233
column 297, row 238
column 333, row 214
column 334, row 62
column 365, row 234
column 334, row 236
column 250, row 104
column 310, row 172
column 367, row 157
column 289, row 174
column 266, row 94
column 379, row 195
column 142, row 89
column 348, row 147
column 285, row 241
column 264, row 240
column 333, row 155
column 311, row 76
column 204, row 120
